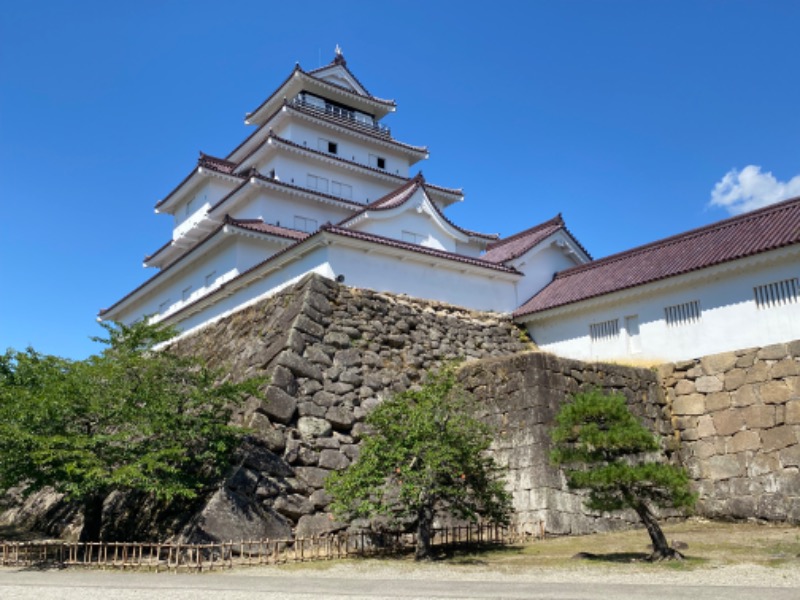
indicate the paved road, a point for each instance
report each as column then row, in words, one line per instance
column 304, row 585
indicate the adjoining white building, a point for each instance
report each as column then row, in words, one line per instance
column 730, row 285
column 322, row 187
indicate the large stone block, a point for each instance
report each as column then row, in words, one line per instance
column 778, row 437
column 230, row 516
column 684, row 387
column 299, row 366
column 718, row 363
column 313, row 427
column 759, row 416
column 728, row 422
column 279, row 406
column 693, row 404
column 735, row 379
column 293, row 506
column 705, row 426
column 708, row 384
column 744, row 396
column 792, row 415
column 774, row 392
column 773, row 352
column 313, row 477
column 333, row 460
column 744, row 440
column 787, row 367
column 790, row 456
column 317, row 525
column 718, row 401
column 723, row 467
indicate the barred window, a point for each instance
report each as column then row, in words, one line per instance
column 604, row 331
column 682, row 314
column 777, row 293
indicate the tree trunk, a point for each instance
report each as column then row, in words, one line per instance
column 661, row 549
column 424, row 531
column 92, row 517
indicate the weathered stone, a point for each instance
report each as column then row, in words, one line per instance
column 718, row 363
column 306, row 325
column 717, row 401
column 317, row 356
column 320, row 499
column 293, row 506
column 262, row 460
column 339, row 388
column 265, row 432
column 350, row 357
column 774, row 392
column 318, row 525
column 693, row 404
column 745, row 440
column 337, row 339
column 792, row 415
column 311, row 409
column 785, row 368
column 325, row 398
column 230, row 516
column 283, row 379
column 790, row 456
column 313, row 427
column 708, row 384
column 705, row 426
column 299, row 366
column 759, row 417
column 744, row 396
column 773, row 352
column 243, row 481
column 778, row 437
column 723, row 467
column 758, row 372
column 279, row 405
column 735, row 379
column 340, row 417
column 333, row 460
column 728, row 422
column 313, row 477
column 684, row 387
column 351, row 376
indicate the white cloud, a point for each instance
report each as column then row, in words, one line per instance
column 748, row 189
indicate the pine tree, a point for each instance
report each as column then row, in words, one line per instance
column 427, row 456
column 605, row 449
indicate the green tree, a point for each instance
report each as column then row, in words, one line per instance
column 426, row 456
column 605, row 449
column 130, row 418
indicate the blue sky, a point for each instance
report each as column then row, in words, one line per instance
column 625, row 116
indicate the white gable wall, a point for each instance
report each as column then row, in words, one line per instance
column 729, row 317
column 541, row 263
column 407, row 225
column 276, row 208
column 188, row 214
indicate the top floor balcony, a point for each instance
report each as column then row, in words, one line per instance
column 337, row 112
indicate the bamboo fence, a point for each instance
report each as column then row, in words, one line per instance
column 226, row 555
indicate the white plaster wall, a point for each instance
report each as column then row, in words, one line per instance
column 276, row 208
column 294, row 169
column 235, row 255
column 411, row 221
column 729, row 319
column 350, row 147
column 201, row 200
column 420, row 278
column 539, row 265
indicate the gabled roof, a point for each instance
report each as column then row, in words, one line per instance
column 770, row 228
column 258, row 226
column 299, row 79
column 341, row 63
column 518, row 244
column 402, row 195
column 207, row 162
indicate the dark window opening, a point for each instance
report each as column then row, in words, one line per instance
column 333, row 147
column 381, row 163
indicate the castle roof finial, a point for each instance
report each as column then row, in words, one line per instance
column 339, row 58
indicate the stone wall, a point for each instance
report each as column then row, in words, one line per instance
column 522, row 394
column 332, row 353
column 737, row 416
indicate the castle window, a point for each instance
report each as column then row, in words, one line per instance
column 604, row 331
column 341, row 189
column 186, row 293
column 328, row 146
column 378, row 162
column 305, row 224
column 317, row 183
column 211, row 278
column 682, row 314
column 777, row 293
column 413, row 238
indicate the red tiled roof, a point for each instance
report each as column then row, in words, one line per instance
column 519, row 243
column 401, row 195
column 206, row 161
column 259, row 226
column 393, row 243
column 769, row 228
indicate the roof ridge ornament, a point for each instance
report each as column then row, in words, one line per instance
column 339, row 58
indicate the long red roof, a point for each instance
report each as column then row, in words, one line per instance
column 769, row 228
